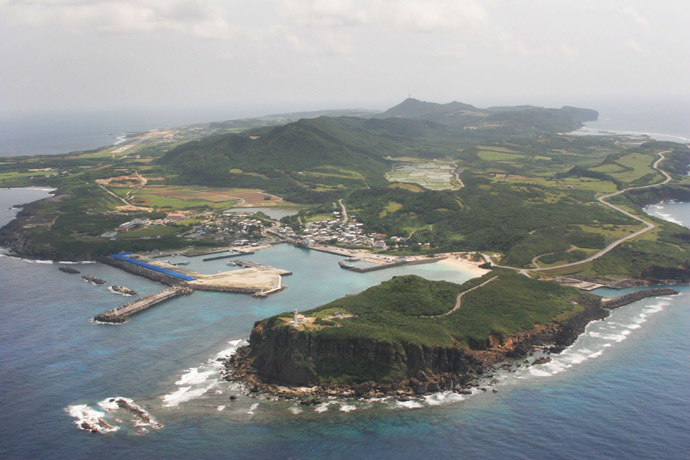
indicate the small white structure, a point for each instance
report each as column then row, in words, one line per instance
column 297, row 319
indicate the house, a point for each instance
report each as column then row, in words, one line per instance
column 175, row 216
column 125, row 227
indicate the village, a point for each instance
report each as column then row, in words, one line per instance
column 235, row 227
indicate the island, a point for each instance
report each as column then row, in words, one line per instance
column 547, row 213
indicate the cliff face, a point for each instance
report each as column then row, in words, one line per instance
column 283, row 355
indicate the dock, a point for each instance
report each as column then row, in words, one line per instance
column 346, row 266
column 122, row 313
column 227, row 256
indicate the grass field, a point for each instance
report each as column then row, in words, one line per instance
column 635, row 166
column 491, row 155
column 182, row 197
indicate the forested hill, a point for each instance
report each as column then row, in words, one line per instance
column 351, row 150
column 508, row 120
column 317, row 159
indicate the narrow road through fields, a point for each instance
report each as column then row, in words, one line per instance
column 602, row 199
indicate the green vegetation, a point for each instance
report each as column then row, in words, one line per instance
column 394, row 312
column 528, row 191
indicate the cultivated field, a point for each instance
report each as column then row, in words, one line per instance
column 434, row 175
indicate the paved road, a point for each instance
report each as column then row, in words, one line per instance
column 602, row 199
column 342, row 206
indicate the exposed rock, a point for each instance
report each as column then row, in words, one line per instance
column 93, row 279
column 542, row 360
column 69, row 270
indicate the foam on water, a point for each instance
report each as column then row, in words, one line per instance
column 185, row 394
column 194, row 377
column 253, row 408
column 196, row 381
column 324, row 406
column 347, row 408
column 411, row 404
column 89, row 419
column 295, row 410
column 598, row 336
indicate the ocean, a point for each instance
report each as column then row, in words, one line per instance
column 621, row 391
column 63, row 132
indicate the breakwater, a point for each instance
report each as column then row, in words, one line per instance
column 139, row 270
column 122, row 313
column 227, row 256
column 347, row 266
column 627, row 299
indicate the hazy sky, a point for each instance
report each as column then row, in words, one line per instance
column 309, row 54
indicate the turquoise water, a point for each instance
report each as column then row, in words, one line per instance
column 621, row 391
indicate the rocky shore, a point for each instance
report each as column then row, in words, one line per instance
column 271, row 365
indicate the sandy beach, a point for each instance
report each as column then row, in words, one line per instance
column 464, row 265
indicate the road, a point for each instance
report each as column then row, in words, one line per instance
column 458, row 301
column 342, row 206
column 648, row 225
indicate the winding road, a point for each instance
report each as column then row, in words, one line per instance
column 458, row 301
column 602, row 199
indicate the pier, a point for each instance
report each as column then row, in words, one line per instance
column 122, row 313
column 346, row 266
column 227, row 256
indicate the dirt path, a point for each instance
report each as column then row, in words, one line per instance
column 648, row 225
column 458, row 302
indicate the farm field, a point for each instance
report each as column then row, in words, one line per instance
column 434, row 175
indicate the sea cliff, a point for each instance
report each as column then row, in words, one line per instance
column 281, row 358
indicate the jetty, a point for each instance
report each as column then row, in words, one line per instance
column 122, row 313
column 227, row 256
column 346, row 266
column 626, row 299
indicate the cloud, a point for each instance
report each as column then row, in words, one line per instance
column 637, row 17
column 201, row 18
column 412, row 15
column 635, row 46
column 436, row 15
column 325, row 13
column 569, row 50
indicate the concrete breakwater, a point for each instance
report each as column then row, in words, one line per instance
column 120, row 314
column 347, row 266
column 227, row 256
column 627, row 299
column 140, row 271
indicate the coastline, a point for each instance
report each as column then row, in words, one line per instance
column 525, row 349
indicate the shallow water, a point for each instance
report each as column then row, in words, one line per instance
column 621, row 391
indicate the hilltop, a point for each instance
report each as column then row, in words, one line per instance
column 503, row 120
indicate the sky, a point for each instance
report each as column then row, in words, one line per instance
column 261, row 56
